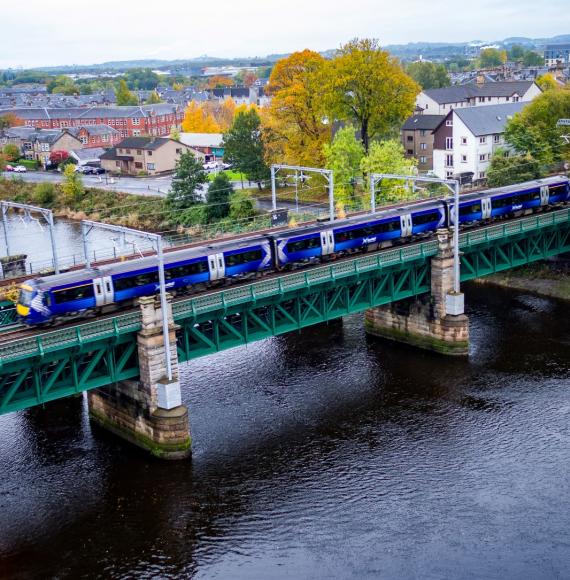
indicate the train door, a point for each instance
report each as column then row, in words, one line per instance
column 103, row 290
column 217, row 267
column 486, row 208
column 406, row 225
column 327, row 242
column 544, row 195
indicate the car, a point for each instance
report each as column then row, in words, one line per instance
column 20, row 169
column 210, row 165
column 9, row 168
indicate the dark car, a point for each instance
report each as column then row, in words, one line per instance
column 92, row 170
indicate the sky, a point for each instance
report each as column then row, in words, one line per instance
column 104, row 30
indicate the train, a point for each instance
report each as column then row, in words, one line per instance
column 49, row 299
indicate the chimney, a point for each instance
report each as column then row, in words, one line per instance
column 480, row 80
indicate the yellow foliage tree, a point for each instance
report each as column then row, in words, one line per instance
column 198, row 120
column 294, row 125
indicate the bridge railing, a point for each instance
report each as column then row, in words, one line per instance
column 125, row 323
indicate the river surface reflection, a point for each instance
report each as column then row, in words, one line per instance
column 323, row 454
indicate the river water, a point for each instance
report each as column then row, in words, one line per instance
column 323, row 454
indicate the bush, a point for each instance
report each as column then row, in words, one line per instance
column 28, row 163
column 44, row 194
column 241, row 206
column 191, row 216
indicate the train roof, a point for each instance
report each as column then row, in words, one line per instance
column 66, row 278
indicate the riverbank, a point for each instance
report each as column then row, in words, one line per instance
column 549, row 279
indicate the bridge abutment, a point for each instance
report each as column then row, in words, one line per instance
column 435, row 322
column 147, row 412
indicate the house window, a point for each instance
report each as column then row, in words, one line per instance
column 449, row 123
column 449, row 143
column 423, row 146
column 138, row 165
column 136, row 121
column 139, row 151
column 464, row 159
column 128, row 151
column 449, row 160
column 508, row 98
column 482, row 140
column 423, row 133
column 427, row 105
column 178, row 151
column 482, row 157
column 481, row 99
column 409, row 138
column 83, row 140
column 481, row 175
column 423, row 159
column 118, row 163
column 448, row 174
column 149, row 153
column 463, row 140
column 496, row 138
column 105, row 138
column 410, row 151
column 124, row 133
column 150, row 166
column 136, row 133
column 515, row 99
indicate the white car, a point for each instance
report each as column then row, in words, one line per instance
column 210, row 165
column 20, row 169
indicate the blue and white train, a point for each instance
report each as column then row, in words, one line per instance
column 94, row 290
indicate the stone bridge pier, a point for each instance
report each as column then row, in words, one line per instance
column 433, row 322
column 147, row 412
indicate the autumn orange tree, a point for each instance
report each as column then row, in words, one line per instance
column 294, row 126
column 198, row 120
column 365, row 85
column 219, row 82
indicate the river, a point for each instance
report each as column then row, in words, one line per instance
column 324, row 454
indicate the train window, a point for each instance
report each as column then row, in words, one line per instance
column 186, row 270
column 134, row 281
column 426, row 218
column 469, row 209
column 501, row 202
column 558, row 190
column 71, row 294
column 301, row 245
column 244, row 258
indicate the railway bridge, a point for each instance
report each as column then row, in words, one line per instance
column 119, row 359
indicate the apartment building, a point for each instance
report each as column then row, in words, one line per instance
column 418, row 138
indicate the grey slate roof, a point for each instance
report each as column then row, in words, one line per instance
column 422, row 122
column 488, row 120
column 458, row 93
column 151, row 143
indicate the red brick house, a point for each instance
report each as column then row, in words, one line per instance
column 97, row 136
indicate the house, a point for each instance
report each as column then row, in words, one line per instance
column 97, row 135
column 466, row 139
column 145, row 155
column 441, row 101
column 129, row 121
column 556, row 54
column 45, row 142
column 417, row 135
column 211, row 144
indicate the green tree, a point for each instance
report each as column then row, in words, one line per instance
column 123, row 96
column 533, row 131
column 366, row 85
column 218, row 198
column 243, row 146
column 532, row 58
column 516, row 53
column 508, row 169
column 389, row 157
column 153, row 99
column 44, row 194
column 72, row 186
column 490, row 57
column 174, row 133
column 428, row 75
column 344, row 156
column 546, row 82
column 11, row 152
column 141, row 78
column 241, row 205
column 189, row 176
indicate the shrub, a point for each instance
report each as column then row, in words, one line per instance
column 28, row 163
column 44, row 194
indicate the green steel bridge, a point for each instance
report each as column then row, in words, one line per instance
column 51, row 365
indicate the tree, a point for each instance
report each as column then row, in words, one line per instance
column 366, row 85
column 241, row 205
column 153, row 98
column 197, row 120
column 243, row 146
column 57, row 157
column 546, row 82
column 533, row 131
column 189, row 176
column 344, row 157
column 532, row 58
column 218, row 198
column 44, row 194
column 11, row 152
column 294, row 127
column 491, row 57
column 389, row 157
column 123, row 96
column 141, row 78
column 506, row 170
column 516, row 53
column 219, row 82
column 429, row 75
column 72, row 185
column 9, row 120
column 174, row 133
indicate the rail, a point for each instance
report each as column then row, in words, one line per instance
column 83, row 334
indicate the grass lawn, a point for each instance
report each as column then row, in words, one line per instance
column 232, row 175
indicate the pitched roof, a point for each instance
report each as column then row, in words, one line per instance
column 459, row 93
column 488, row 120
column 143, row 142
column 111, row 155
column 422, row 122
column 202, row 139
